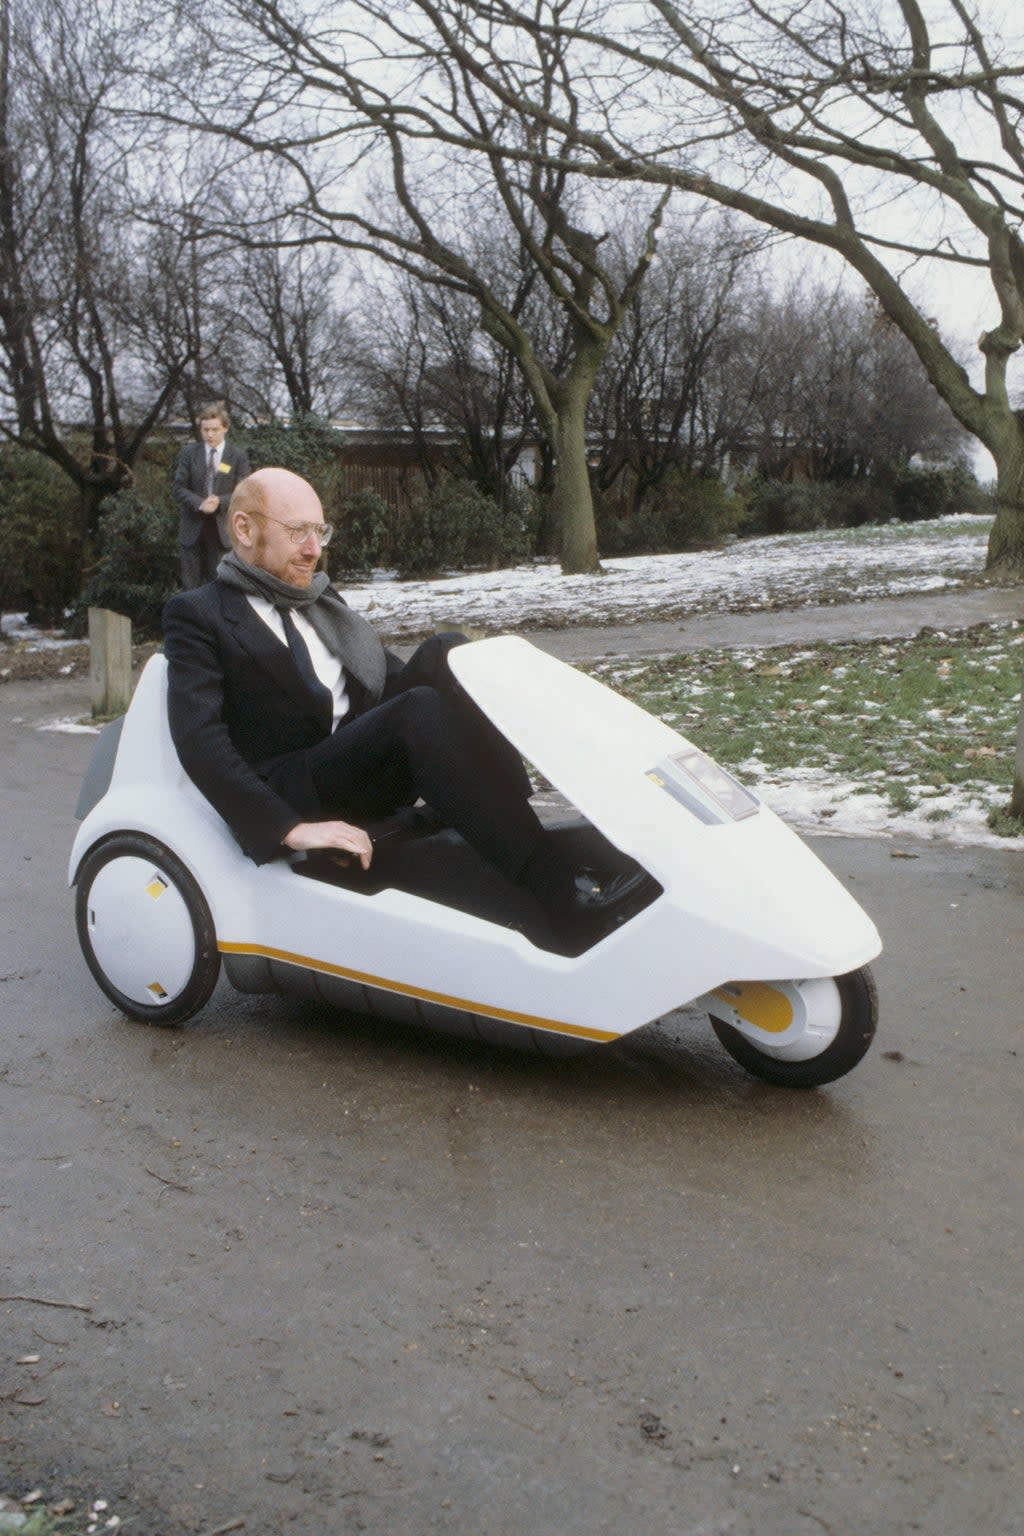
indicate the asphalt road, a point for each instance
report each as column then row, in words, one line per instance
column 287, row 1270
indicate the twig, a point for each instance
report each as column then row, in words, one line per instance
column 222, row 1530
column 170, row 1185
column 58, row 1343
column 522, row 1375
column 44, row 1301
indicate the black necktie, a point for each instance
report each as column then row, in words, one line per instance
column 211, row 471
column 303, row 660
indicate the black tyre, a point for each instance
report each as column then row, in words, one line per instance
column 858, row 1017
column 145, row 929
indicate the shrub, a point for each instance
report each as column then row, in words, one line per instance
column 136, row 569
column 919, row 492
column 907, row 493
column 309, row 447
column 783, row 506
column 545, row 523
column 302, row 446
column 683, row 511
column 852, row 503
column 40, row 545
column 362, row 537
column 455, row 525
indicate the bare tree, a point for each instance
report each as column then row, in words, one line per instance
column 427, row 362
column 892, row 137
column 651, row 407
column 822, row 380
column 290, row 350
column 373, row 95
column 91, row 344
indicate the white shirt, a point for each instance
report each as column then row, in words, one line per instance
column 326, row 666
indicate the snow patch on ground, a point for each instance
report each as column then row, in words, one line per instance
column 16, row 628
column 68, row 727
column 788, row 571
column 812, row 801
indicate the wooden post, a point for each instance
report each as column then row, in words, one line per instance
column 110, row 661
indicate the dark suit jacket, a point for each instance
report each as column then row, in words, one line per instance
column 241, row 716
column 189, row 487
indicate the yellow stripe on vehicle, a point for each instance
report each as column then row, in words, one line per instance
column 385, row 984
column 759, row 1004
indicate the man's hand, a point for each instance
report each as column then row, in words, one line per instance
column 210, row 504
column 336, row 835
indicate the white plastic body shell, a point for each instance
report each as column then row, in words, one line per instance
column 742, row 898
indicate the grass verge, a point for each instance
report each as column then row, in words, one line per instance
column 928, row 724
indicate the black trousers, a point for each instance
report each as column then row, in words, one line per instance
column 427, row 739
column 199, row 561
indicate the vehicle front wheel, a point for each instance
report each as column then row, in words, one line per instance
column 856, row 998
column 145, row 929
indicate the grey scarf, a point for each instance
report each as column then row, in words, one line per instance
column 346, row 635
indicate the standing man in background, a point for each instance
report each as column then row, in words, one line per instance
column 206, row 474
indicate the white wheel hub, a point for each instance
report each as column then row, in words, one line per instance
column 789, row 1020
column 140, row 931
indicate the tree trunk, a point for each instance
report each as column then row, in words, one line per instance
column 573, row 498
column 1006, row 541
column 1017, row 797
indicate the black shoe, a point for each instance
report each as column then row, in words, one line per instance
column 597, row 904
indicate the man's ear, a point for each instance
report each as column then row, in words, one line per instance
column 243, row 530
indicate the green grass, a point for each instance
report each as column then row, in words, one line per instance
column 1004, row 824
column 930, row 718
column 40, row 1522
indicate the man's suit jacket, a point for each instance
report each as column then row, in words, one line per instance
column 242, row 717
column 189, row 487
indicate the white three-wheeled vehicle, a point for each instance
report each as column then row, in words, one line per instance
column 749, row 925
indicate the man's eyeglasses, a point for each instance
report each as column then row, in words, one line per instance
column 300, row 532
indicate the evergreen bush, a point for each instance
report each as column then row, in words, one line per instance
column 40, row 547
column 683, row 511
column 905, row 493
column 362, row 535
column 308, row 446
column 136, row 568
column 454, row 525
column 784, row 506
column 919, row 492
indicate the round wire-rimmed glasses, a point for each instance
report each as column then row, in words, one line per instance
column 300, row 532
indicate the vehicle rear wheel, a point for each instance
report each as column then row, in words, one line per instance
column 858, row 1016
column 145, row 929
